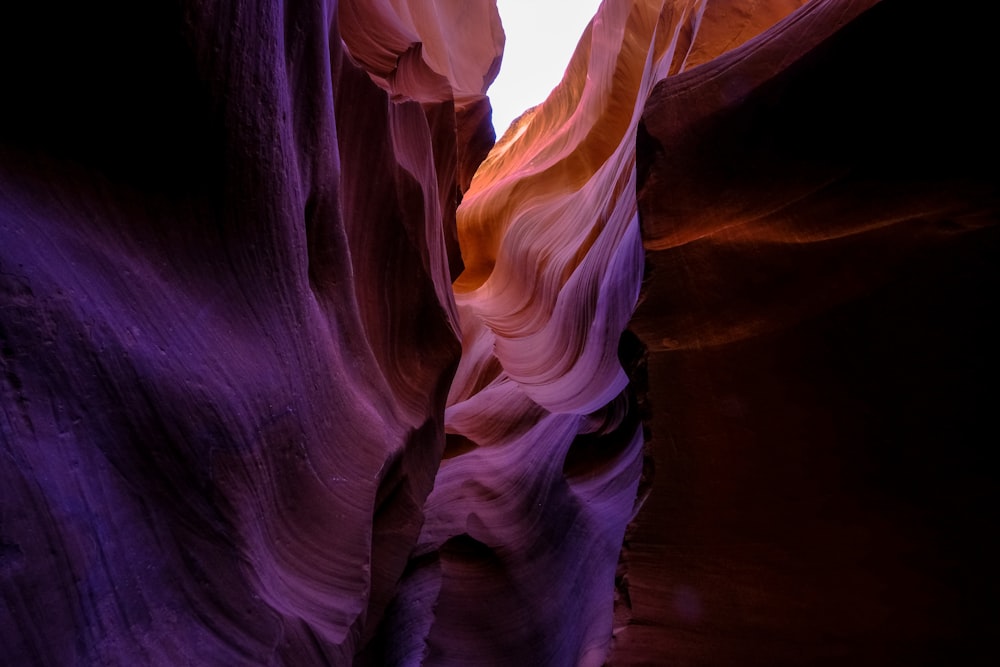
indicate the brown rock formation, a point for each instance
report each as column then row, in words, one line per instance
column 821, row 211
column 248, row 418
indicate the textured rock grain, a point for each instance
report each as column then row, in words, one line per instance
column 228, row 330
column 298, row 368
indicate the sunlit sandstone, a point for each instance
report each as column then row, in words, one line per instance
column 299, row 368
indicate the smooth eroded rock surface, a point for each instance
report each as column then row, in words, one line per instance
column 694, row 366
column 228, row 330
column 820, row 211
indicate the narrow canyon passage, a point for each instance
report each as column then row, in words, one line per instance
column 302, row 365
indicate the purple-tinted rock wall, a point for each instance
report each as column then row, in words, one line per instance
column 227, row 332
column 297, row 369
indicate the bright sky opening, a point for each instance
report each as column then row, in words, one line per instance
column 541, row 36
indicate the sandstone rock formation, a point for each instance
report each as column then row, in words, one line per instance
column 820, row 208
column 228, row 326
column 295, row 373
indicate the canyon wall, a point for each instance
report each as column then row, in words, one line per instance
column 692, row 366
column 228, row 326
column 819, row 208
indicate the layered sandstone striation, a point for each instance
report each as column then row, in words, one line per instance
column 228, row 330
column 552, row 246
column 300, row 368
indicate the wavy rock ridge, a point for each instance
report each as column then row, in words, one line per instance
column 299, row 368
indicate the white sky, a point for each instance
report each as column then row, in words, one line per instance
column 541, row 36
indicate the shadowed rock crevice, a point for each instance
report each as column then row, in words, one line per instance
column 820, row 222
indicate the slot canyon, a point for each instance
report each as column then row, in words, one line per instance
column 694, row 365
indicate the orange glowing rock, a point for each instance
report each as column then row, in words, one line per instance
column 545, row 461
